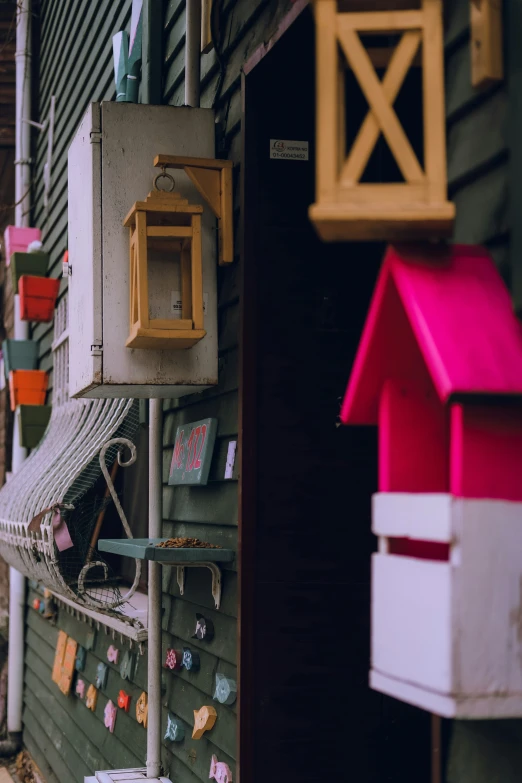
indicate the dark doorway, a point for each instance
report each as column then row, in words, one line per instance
column 306, row 711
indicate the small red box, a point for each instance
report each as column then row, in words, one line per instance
column 37, row 297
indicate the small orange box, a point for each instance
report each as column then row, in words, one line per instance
column 38, row 297
column 27, row 387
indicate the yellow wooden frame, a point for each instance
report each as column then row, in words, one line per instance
column 213, row 179
column 165, row 221
column 206, row 32
column 345, row 208
column 487, row 56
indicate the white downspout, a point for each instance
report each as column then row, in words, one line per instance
column 15, row 673
column 154, row 593
column 192, row 93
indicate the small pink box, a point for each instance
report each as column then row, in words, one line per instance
column 17, row 240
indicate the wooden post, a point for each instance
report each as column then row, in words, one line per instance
column 433, row 101
column 327, row 94
column 142, row 269
column 487, row 57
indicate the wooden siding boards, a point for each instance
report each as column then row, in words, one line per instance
column 75, row 65
column 211, row 512
column 478, row 145
column 480, row 163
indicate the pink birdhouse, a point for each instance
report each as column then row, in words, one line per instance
column 439, row 371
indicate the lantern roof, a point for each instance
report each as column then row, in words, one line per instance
column 161, row 201
column 442, row 315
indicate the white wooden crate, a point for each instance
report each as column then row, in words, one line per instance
column 447, row 636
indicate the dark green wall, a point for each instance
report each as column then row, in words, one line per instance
column 70, row 742
column 479, row 184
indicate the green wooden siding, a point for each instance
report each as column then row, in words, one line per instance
column 478, row 154
column 479, row 184
column 211, row 512
column 75, row 65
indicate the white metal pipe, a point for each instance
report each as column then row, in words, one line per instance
column 15, row 672
column 193, row 53
column 154, row 596
column 23, row 112
column 15, row 669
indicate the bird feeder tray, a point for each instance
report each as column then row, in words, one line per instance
column 38, row 298
column 17, row 239
column 32, row 424
column 346, row 206
column 181, row 557
column 19, row 355
column 28, row 264
column 27, row 387
column 148, row 549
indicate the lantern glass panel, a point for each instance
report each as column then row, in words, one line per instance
column 164, row 278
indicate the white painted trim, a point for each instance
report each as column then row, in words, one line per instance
column 422, row 516
column 138, row 614
column 447, row 706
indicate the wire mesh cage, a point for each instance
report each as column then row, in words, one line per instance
column 68, row 472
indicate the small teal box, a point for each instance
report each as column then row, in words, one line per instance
column 19, row 355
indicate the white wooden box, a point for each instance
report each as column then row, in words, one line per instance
column 447, row 636
column 111, row 167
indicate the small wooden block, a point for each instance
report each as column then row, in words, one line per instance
column 127, row 665
column 173, row 660
column 58, row 657
column 109, row 716
column 92, row 698
column 102, row 671
column 191, row 659
column 226, row 689
column 81, row 655
column 204, row 629
column 68, row 666
column 124, row 700
column 80, row 688
column 220, row 771
column 113, row 654
column 204, row 720
column 175, row 729
column 142, row 709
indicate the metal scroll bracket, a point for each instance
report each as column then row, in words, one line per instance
column 216, row 579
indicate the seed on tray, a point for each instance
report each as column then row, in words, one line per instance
column 186, row 543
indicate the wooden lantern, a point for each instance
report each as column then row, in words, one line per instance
column 168, row 228
column 346, row 208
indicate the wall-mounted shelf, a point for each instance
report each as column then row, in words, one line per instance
column 181, row 558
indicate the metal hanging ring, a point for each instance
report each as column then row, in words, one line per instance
column 165, row 175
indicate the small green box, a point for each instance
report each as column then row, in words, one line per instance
column 28, row 264
column 19, row 355
column 32, row 424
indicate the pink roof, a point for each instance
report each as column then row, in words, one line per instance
column 448, row 314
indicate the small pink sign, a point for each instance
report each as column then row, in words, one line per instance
column 61, row 534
